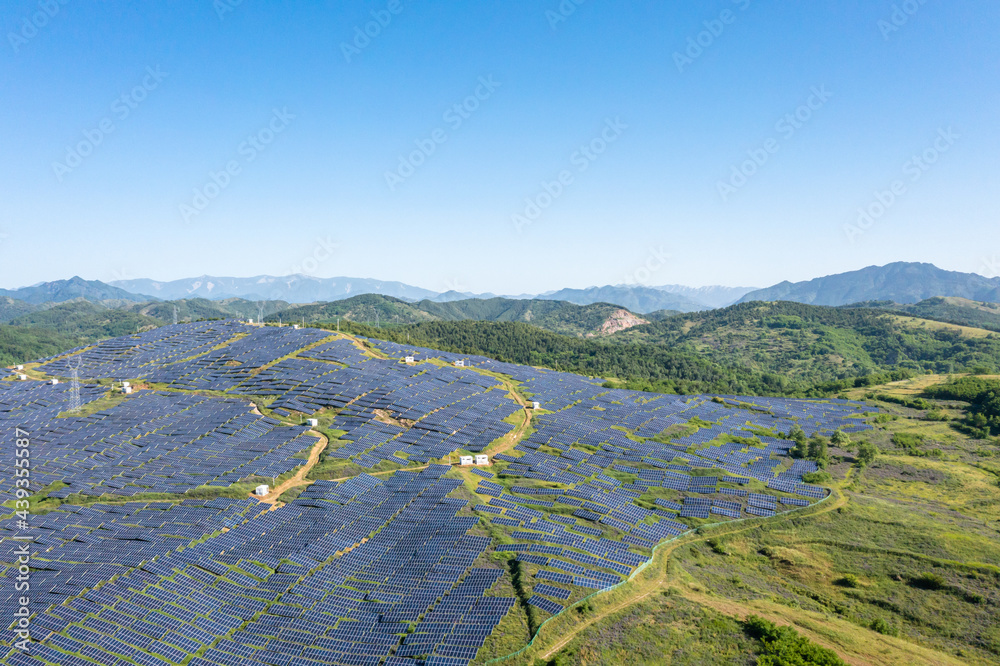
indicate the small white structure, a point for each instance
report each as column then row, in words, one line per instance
column 250, row 320
column 460, row 363
column 125, row 385
column 23, row 378
column 261, row 490
column 536, row 405
column 295, row 327
column 20, row 367
column 465, row 461
column 312, row 422
column 53, row 381
column 408, row 359
column 482, row 459
column 126, row 390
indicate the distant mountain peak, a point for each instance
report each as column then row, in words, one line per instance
column 900, row 281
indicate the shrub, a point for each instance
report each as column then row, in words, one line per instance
column 847, row 580
column 816, row 477
column 783, row 646
column 867, row 453
column 929, row 581
column 883, row 627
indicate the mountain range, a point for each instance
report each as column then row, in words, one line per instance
column 900, row 282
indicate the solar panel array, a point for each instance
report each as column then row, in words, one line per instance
column 150, row 442
column 373, row 570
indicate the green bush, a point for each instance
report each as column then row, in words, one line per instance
column 783, row 646
column 929, row 581
column 848, row 580
column 816, row 477
column 883, row 627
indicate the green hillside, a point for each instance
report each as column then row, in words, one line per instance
column 20, row 344
column 194, row 309
column 554, row 316
column 85, row 321
column 11, row 308
column 954, row 310
column 793, row 343
column 367, row 308
column 753, row 348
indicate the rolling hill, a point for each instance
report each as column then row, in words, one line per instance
column 752, row 348
column 555, row 316
column 900, row 282
column 954, row 310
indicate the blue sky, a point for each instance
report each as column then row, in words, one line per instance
column 169, row 140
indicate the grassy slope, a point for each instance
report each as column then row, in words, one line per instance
column 957, row 311
column 904, row 521
column 816, row 344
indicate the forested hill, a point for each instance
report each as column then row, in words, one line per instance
column 819, row 344
column 755, row 348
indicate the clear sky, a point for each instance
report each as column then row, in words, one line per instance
column 593, row 142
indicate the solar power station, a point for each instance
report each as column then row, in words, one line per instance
column 400, row 564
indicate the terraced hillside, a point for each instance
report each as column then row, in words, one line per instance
column 147, row 547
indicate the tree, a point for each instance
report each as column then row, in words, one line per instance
column 867, row 453
column 818, row 450
column 840, row 439
column 801, row 448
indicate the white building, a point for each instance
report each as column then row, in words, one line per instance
column 261, row 490
column 482, row 459
column 465, row 461
column 409, row 359
column 125, row 385
column 23, row 378
column 126, row 390
column 20, row 367
column 295, row 327
column 536, row 405
column 312, row 422
column 53, row 381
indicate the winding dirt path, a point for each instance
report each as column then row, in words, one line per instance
column 299, row 478
column 511, row 439
column 644, row 589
